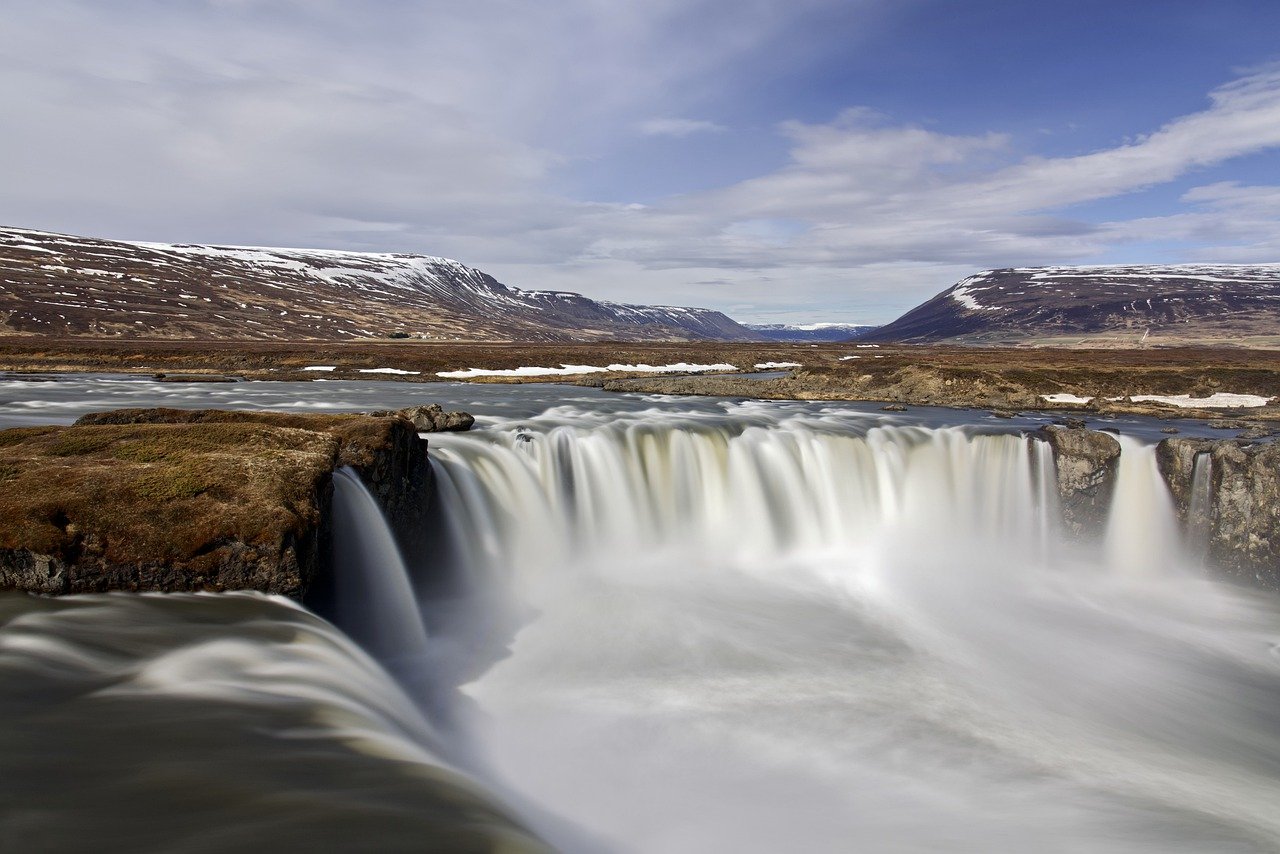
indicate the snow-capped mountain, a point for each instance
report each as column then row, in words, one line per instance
column 56, row 284
column 1127, row 304
column 810, row 332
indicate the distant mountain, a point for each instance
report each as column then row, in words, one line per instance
column 59, row 285
column 1129, row 304
column 812, row 332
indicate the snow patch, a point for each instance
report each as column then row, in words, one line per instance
column 1065, row 397
column 569, row 370
column 764, row 366
column 320, row 368
column 1219, row 400
column 386, row 371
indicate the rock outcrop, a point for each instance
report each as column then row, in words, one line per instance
column 1086, row 463
column 434, row 419
column 1238, row 510
column 171, row 500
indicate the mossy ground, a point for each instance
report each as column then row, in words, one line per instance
column 175, row 488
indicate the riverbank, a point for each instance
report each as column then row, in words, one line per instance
column 1205, row 383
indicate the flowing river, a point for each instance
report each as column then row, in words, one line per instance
column 657, row 624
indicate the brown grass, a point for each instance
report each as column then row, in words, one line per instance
column 158, row 492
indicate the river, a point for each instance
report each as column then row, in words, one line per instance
column 655, row 624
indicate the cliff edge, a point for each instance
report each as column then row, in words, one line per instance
column 174, row 500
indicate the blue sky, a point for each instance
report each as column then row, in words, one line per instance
column 795, row 161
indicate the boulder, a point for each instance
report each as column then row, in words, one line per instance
column 1086, row 463
column 433, row 419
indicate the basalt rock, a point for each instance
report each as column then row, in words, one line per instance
column 174, row 500
column 433, row 419
column 1086, row 463
column 1238, row 513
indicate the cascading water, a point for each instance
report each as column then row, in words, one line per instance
column 1142, row 535
column 779, row 633
column 681, row 626
column 373, row 599
column 1200, row 506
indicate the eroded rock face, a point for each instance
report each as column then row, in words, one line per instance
column 1241, row 505
column 1086, row 463
column 175, row 500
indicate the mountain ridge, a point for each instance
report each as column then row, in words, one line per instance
column 813, row 332
column 1130, row 304
column 67, row 285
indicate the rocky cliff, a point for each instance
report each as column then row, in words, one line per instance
column 169, row 500
column 1226, row 493
column 1236, row 513
column 1086, row 464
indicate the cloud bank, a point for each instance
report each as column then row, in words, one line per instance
column 463, row 130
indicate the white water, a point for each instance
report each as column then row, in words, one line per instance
column 770, row 635
column 373, row 599
column 1200, row 506
column 742, row 627
column 1142, row 535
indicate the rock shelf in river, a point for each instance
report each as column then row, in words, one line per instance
column 181, row 500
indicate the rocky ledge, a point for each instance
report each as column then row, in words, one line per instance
column 175, row 500
column 1226, row 493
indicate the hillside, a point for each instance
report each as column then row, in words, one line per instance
column 59, row 285
column 1104, row 305
column 810, row 332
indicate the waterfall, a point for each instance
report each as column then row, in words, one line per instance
column 547, row 501
column 373, row 598
column 1142, row 537
column 1200, row 507
column 758, row 630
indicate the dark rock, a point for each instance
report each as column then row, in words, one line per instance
column 1086, row 463
column 1072, row 423
column 1254, row 433
column 433, row 419
column 1245, row 520
column 1169, row 430
column 893, row 407
column 1242, row 505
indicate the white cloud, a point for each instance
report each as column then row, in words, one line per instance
column 859, row 194
column 677, row 127
column 451, row 128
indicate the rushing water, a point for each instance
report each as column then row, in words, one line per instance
column 670, row 626
column 804, row 637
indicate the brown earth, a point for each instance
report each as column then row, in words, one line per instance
column 994, row 378
column 179, row 500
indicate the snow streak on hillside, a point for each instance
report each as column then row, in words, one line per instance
column 55, row 284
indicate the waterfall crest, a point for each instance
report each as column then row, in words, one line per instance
column 757, row 494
